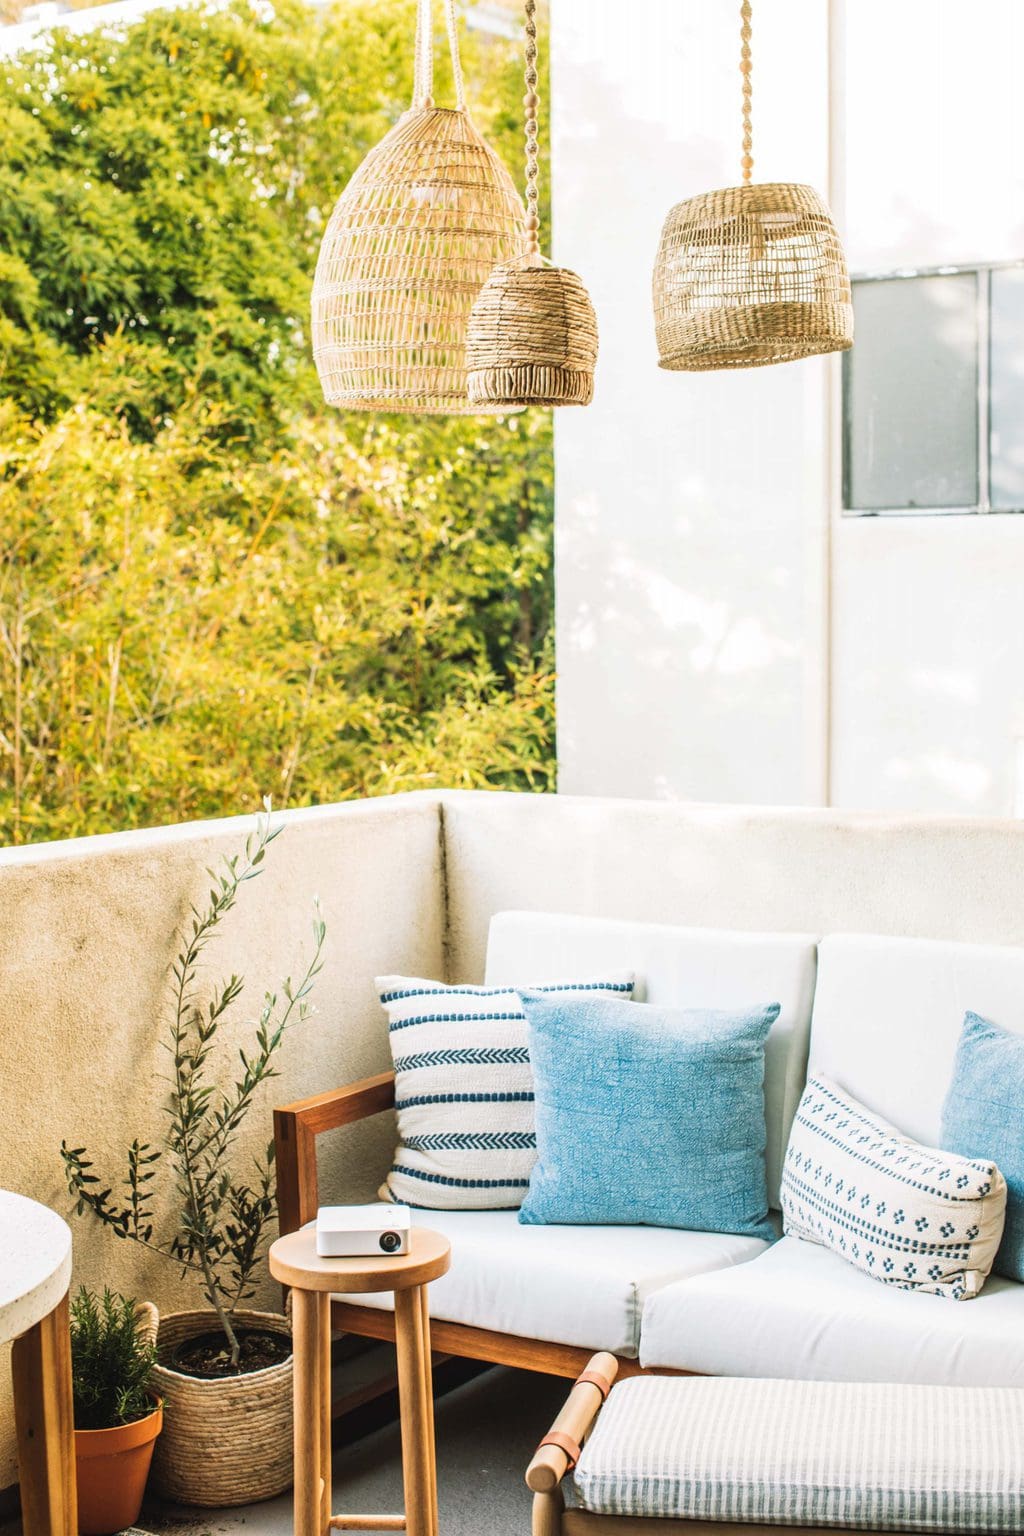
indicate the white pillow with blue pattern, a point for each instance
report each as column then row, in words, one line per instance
column 464, row 1090
column 906, row 1214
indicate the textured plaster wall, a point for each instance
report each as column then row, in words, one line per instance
column 86, row 936
column 721, row 866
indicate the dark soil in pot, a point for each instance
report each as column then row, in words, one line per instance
column 208, row 1357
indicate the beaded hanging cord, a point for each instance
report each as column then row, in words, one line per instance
column 747, row 161
column 531, row 103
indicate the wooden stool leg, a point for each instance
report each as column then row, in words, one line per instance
column 413, row 1386
column 306, row 1348
column 428, row 1383
column 324, row 1331
column 45, row 1418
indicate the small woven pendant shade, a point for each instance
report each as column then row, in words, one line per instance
column 411, row 241
column 533, row 332
column 750, row 275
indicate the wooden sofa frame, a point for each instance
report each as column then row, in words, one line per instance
column 296, row 1128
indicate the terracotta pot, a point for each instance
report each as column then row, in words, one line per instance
column 111, row 1467
column 228, row 1440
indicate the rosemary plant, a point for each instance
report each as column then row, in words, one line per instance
column 110, row 1361
column 222, row 1215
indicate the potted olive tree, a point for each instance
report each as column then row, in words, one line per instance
column 224, row 1371
column 117, row 1417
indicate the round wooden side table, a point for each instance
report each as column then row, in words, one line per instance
column 34, row 1279
column 295, row 1262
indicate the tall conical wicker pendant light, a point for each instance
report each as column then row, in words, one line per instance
column 750, row 275
column 533, row 332
column 409, row 245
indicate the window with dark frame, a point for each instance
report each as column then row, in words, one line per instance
column 933, row 393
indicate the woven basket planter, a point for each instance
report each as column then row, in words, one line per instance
column 227, row 1441
column 412, row 240
column 532, row 339
column 748, row 276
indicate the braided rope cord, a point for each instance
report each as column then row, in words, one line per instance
column 747, row 162
column 423, row 74
column 531, row 102
column 453, row 44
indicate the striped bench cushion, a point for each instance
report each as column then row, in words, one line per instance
column 817, row 1453
column 464, row 1090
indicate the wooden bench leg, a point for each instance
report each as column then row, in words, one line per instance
column 547, row 1513
column 45, row 1419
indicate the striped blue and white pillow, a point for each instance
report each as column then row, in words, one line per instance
column 464, row 1090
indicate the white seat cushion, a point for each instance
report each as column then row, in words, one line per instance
column 888, row 1015
column 582, row 1286
column 802, row 1453
column 802, row 1311
column 682, row 968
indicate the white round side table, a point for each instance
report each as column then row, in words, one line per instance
column 35, row 1272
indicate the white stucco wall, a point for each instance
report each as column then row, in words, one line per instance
column 689, row 531
column 722, row 631
column 928, row 659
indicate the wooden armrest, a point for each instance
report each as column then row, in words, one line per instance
column 296, row 1127
column 551, row 1462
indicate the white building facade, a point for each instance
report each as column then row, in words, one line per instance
column 724, row 631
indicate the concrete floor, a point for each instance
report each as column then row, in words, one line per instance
column 486, row 1432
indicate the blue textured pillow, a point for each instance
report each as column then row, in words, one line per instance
column 983, row 1116
column 648, row 1116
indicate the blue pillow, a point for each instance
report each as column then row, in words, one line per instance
column 648, row 1116
column 983, row 1116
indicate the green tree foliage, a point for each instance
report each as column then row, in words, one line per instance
column 211, row 585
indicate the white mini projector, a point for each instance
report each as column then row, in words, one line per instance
column 356, row 1231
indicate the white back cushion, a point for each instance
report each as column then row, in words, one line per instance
column 888, row 1015
column 680, row 968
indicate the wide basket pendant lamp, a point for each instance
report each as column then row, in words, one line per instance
column 410, row 243
column 533, row 332
column 750, row 275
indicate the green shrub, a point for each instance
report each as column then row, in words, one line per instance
column 110, row 1361
column 210, row 584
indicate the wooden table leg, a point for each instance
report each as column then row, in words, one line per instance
column 412, row 1344
column 45, row 1419
column 428, row 1384
column 308, row 1365
column 323, row 1322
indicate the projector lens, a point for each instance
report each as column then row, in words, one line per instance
column 390, row 1242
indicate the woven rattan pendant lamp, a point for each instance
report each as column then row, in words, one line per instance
column 750, row 275
column 533, row 332
column 410, row 243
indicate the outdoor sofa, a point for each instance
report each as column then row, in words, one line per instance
column 878, row 1014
